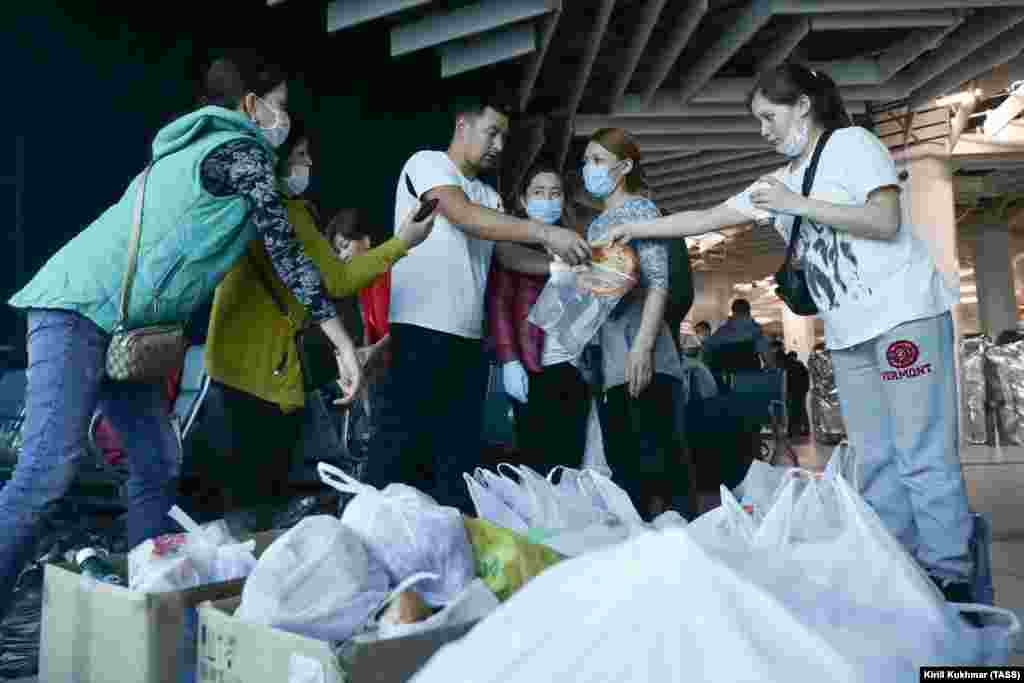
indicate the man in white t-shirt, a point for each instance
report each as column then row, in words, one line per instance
column 430, row 408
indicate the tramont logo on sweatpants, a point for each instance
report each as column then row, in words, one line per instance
column 902, row 355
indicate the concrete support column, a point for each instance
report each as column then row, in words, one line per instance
column 798, row 333
column 993, row 271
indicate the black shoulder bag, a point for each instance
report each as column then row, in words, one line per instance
column 316, row 353
column 792, row 281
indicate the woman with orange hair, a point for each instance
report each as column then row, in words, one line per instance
column 639, row 363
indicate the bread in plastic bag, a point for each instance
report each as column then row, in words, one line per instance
column 409, row 533
column 475, row 602
column 318, row 579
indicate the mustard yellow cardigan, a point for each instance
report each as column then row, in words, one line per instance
column 248, row 336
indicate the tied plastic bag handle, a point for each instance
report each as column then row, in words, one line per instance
column 844, row 463
column 190, row 526
column 491, row 507
column 341, row 481
column 544, row 508
column 562, row 468
column 513, row 468
column 614, row 499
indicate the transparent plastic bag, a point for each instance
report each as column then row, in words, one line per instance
column 573, row 306
column 203, row 555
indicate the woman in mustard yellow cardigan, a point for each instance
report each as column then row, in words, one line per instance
column 254, row 406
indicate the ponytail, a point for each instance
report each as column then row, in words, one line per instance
column 787, row 83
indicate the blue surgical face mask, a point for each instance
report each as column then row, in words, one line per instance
column 598, row 180
column 544, row 210
column 796, row 139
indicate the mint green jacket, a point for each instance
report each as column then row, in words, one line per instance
column 190, row 238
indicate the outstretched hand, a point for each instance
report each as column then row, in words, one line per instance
column 621, row 234
column 775, row 196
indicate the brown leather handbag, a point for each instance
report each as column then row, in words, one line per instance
column 144, row 354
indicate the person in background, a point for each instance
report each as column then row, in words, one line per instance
column 551, row 396
column 739, row 345
column 798, row 384
column 689, row 344
column 703, row 330
column 885, row 306
column 777, row 354
column 430, row 404
column 640, row 364
column 366, row 315
column 254, row 406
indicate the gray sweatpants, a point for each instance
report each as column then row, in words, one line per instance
column 899, row 399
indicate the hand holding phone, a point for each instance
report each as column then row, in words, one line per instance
column 428, row 206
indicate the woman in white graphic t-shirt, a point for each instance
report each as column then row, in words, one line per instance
column 885, row 307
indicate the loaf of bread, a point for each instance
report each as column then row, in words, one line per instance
column 407, row 608
column 614, row 271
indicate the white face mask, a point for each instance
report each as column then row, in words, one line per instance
column 277, row 133
column 796, row 139
column 298, row 180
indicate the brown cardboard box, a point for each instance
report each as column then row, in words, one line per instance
column 98, row 633
column 235, row 651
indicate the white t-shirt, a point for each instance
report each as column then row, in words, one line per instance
column 862, row 287
column 440, row 284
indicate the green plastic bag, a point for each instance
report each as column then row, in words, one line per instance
column 505, row 560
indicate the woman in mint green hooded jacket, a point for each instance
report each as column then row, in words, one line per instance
column 211, row 190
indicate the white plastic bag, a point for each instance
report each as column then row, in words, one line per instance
column 491, row 507
column 317, row 580
column 593, row 455
column 553, row 506
column 201, row 556
column 609, row 496
column 570, row 311
column 827, row 557
column 410, row 533
column 656, row 608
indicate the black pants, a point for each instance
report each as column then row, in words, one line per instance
column 429, row 413
column 640, row 445
column 797, row 410
column 551, row 429
column 253, row 442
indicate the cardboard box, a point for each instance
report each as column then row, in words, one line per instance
column 101, row 633
column 235, row 651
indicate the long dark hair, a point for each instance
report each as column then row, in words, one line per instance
column 239, row 72
column 786, row 83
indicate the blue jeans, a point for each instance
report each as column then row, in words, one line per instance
column 66, row 383
column 899, row 399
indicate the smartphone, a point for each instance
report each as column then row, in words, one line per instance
column 427, row 208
